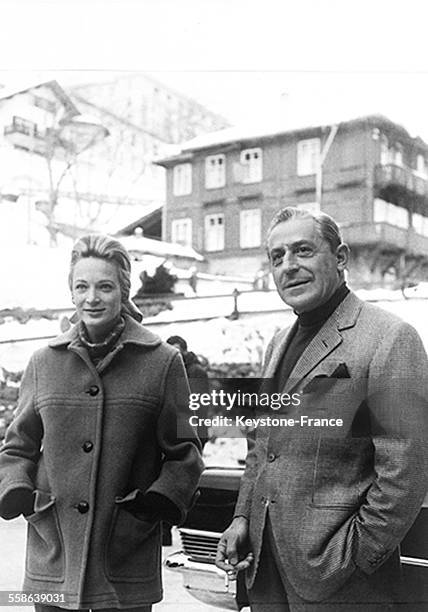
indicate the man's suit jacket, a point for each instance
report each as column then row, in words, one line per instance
column 342, row 498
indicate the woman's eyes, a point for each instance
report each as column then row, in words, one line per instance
column 103, row 287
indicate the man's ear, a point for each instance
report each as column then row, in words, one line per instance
column 342, row 256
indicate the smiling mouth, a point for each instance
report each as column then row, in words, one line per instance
column 293, row 284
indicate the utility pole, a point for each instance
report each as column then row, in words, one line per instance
column 323, row 155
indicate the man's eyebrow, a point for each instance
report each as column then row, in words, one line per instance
column 303, row 241
column 293, row 244
column 102, row 280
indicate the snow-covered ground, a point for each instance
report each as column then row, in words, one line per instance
column 219, row 339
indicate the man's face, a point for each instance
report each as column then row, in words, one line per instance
column 305, row 271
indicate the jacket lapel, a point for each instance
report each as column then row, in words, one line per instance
column 277, row 351
column 325, row 341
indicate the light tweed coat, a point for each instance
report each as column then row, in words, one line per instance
column 106, row 439
column 344, row 497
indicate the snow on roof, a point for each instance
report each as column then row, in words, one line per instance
column 149, row 246
column 267, row 130
column 19, row 87
column 126, row 216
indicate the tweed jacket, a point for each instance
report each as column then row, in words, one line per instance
column 90, row 444
column 342, row 497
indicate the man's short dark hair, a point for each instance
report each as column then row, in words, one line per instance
column 179, row 341
column 326, row 225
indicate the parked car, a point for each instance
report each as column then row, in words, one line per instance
column 212, row 514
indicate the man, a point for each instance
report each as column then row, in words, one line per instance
column 322, row 510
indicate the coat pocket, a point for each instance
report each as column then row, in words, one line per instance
column 324, row 551
column 45, row 548
column 337, row 476
column 133, row 547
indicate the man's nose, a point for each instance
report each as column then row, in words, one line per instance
column 289, row 262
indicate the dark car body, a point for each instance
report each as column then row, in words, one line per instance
column 212, row 514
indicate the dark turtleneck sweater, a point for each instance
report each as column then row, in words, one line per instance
column 304, row 330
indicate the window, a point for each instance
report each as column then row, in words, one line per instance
column 47, row 105
column 24, row 126
column 384, row 151
column 215, row 171
column 308, row 156
column 251, row 164
column 421, row 167
column 390, row 154
column 250, row 228
column 182, row 179
column 181, row 231
column 398, row 155
column 214, row 232
column 386, row 212
column 420, row 224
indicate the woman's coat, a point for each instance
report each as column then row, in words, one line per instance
column 91, row 444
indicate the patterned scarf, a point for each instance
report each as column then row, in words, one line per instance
column 98, row 350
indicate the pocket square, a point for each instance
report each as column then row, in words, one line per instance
column 341, row 371
column 322, row 382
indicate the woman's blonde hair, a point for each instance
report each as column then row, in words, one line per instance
column 111, row 250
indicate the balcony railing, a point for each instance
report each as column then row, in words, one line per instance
column 390, row 174
column 396, row 238
column 26, row 134
column 26, row 130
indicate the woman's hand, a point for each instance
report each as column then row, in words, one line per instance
column 18, row 501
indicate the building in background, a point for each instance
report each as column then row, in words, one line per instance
column 42, row 133
column 165, row 115
column 80, row 159
column 368, row 173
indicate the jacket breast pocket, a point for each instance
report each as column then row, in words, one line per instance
column 133, row 547
column 45, row 548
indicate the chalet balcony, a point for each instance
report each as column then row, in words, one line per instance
column 386, row 236
column 391, row 176
column 25, row 135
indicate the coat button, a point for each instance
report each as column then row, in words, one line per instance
column 271, row 457
column 87, row 446
column 93, row 390
column 82, row 507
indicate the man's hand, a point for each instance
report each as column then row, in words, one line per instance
column 231, row 545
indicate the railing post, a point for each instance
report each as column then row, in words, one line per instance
column 235, row 312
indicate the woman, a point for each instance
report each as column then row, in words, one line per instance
column 100, row 450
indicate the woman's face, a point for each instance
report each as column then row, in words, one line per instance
column 96, row 294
